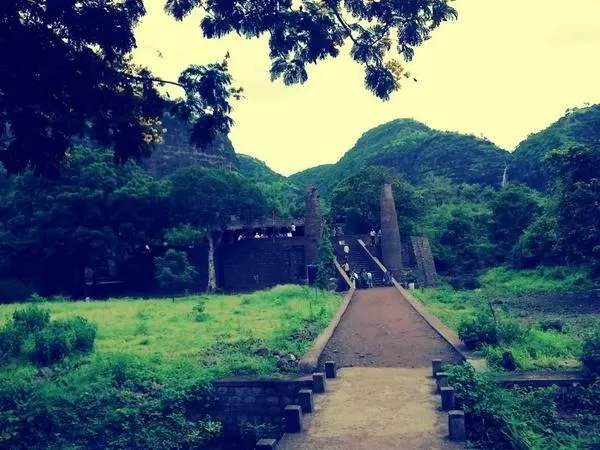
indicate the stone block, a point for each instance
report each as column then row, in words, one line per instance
column 266, row 444
column 436, row 366
column 442, row 381
column 249, row 399
column 257, row 390
column 330, row 371
column 235, row 399
column 456, row 426
column 318, row 382
column 221, row 390
column 447, row 398
column 272, row 400
column 305, row 398
column 293, row 418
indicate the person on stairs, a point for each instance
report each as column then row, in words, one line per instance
column 346, row 268
column 372, row 234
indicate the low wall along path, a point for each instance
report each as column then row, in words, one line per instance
column 383, row 397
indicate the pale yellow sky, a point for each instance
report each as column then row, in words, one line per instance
column 504, row 69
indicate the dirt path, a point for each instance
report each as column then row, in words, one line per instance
column 374, row 408
column 386, row 401
column 380, row 329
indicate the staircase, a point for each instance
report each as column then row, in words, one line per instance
column 358, row 258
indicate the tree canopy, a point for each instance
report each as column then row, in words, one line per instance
column 68, row 69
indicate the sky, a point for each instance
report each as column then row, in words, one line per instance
column 504, row 69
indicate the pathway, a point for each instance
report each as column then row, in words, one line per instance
column 383, row 397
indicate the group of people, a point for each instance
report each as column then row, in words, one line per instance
column 287, row 232
column 362, row 280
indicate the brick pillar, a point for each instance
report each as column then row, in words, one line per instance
column 391, row 247
column 312, row 225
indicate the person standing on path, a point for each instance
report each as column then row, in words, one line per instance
column 346, row 252
column 372, row 234
column 369, row 279
column 346, row 268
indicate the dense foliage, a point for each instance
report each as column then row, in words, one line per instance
column 416, row 152
column 110, row 218
column 101, row 92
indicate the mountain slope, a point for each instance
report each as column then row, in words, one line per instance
column 578, row 126
column 256, row 170
column 416, row 151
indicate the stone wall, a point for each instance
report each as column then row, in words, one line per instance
column 423, row 258
column 254, row 401
column 254, row 264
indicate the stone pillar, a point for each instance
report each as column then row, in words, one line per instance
column 456, row 425
column 312, row 225
column 391, row 247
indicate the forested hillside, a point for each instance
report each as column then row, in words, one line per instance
column 415, row 151
column 577, row 126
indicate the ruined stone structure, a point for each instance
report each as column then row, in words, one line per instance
column 312, row 227
column 391, row 246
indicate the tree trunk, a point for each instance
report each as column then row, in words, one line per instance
column 212, row 277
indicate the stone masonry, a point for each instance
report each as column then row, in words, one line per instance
column 312, row 225
column 391, row 246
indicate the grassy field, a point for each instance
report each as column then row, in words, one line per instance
column 233, row 339
column 529, row 297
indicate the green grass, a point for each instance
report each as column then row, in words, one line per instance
column 541, row 279
column 166, row 332
column 536, row 349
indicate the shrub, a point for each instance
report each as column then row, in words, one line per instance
column 591, row 354
column 478, row 330
column 11, row 341
column 31, row 319
column 84, row 334
column 510, row 331
column 36, row 298
column 200, row 314
column 61, row 338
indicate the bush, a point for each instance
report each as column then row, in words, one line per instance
column 31, row 319
column 61, row 338
column 478, row 330
column 200, row 314
column 36, row 298
column 591, row 354
column 12, row 291
column 11, row 341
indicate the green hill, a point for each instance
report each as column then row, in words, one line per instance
column 577, row 126
column 416, row 151
column 256, row 170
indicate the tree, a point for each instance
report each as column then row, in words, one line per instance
column 577, row 171
column 209, row 198
column 71, row 71
column 325, row 269
column 513, row 209
column 173, row 271
column 356, row 199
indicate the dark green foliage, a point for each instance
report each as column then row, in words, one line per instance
column 538, row 244
column 173, row 271
column 357, row 200
column 31, row 319
column 326, row 268
column 577, row 172
column 504, row 419
column 113, row 402
column 61, row 338
column 12, row 291
column 591, row 354
column 478, row 330
column 101, row 93
column 414, row 151
column 12, row 339
column 513, row 209
column 486, row 329
column 579, row 126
